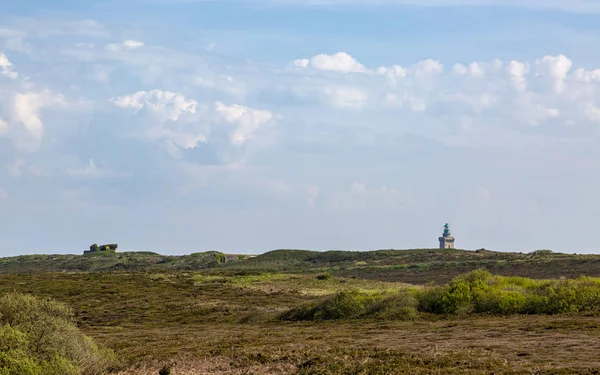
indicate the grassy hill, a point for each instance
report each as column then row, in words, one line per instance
column 107, row 261
column 413, row 266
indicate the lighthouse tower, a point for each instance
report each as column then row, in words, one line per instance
column 446, row 241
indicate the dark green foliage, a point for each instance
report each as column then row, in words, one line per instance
column 165, row 370
column 400, row 306
column 222, row 321
column 39, row 337
column 542, row 253
column 342, row 305
column 477, row 292
column 324, row 276
column 220, row 257
column 411, row 266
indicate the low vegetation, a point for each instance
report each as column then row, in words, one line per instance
column 299, row 312
column 419, row 266
column 39, row 337
column 478, row 292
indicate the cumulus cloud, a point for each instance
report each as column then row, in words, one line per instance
column 517, row 72
column 587, row 76
column 548, row 89
column 338, row 62
column 164, row 104
column 474, row 69
column 557, row 68
column 171, row 118
column 248, row 121
column 6, row 67
column 26, row 123
column 301, row 63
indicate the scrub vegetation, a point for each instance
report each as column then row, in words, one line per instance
column 300, row 312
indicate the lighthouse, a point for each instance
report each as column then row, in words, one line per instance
column 446, row 241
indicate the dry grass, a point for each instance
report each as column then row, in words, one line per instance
column 224, row 325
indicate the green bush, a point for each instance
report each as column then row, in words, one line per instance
column 41, row 337
column 400, row 306
column 324, row 276
column 477, row 292
column 429, row 300
column 343, row 305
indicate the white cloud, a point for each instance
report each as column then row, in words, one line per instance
column 557, row 68
column 301, row 63
column 517, row 72
column 474, row 69
column 172, row 119
column 166, row 105
column 358, row 188
column 518, row 92
column 587, row 76
column 428, row 67
column 393, row 71
column 592, row 112
column 26, row 108
column 338, row 62
column 21, row 167
column 346, row 97
column 6, row 67
column 126, row 45
column 248, row 121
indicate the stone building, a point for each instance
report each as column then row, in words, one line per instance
column 112, row 248
column 446, row 241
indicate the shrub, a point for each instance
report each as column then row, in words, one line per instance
column 477, row 292
column 165, row 370
column 300, row 313
column 430, row 300
column 542, row 253
column 324, row 276
column 343, row 305
column 400, row 306
column 42, row 336
column 255, row 317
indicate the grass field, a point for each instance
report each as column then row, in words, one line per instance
column 223, row 319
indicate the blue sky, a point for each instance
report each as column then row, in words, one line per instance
column 246, row 126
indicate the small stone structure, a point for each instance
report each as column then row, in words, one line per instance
column 105, row 248
column 446, row 241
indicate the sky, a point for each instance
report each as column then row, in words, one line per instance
column 180, row 126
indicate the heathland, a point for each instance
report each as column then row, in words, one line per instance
column 302, row 312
